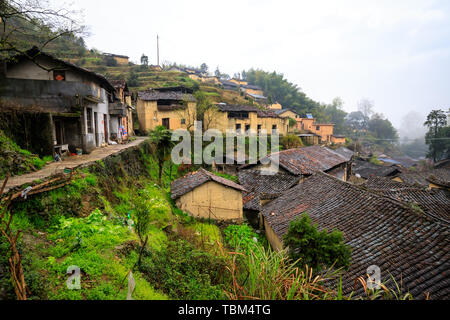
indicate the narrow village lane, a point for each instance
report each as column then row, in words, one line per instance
column 69, row 163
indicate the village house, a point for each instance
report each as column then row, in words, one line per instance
column 309, row 138
column 289, row 114
column 338, row 139
column 434, row 202
column 205, row 195
column 210, row 79
column 432, row 179
column 251, row 89
column 325, row 131
column 309, row 131
column 239, row 82
column 120, row 59
column 408, row 244
column 275, row 106
column 172, row 107
column 125, row 127
column 303, row 162
column 366, row 169
column 242, row 119
column 258, row 185
column 64, row 107
column 229, row 85
column 260, row 99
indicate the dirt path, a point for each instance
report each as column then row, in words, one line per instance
column 69, row 163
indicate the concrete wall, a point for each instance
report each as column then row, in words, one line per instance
column 96, row 138
column 213, row 200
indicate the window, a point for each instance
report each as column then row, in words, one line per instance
column 59, row 75
column 259, row 128
column 89, row 120
column 247, row 128
column 238, row 128
column 317, row 128
column 183, row 121
column 239, row 115
column 274, row 128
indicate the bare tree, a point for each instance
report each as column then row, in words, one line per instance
column 366, row 107
column 24, row 23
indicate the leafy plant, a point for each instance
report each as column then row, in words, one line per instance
column 317, row 249
column 162, row 143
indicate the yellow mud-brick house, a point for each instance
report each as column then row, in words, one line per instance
column 242, row 119
column 205, row 195
column 174, row 108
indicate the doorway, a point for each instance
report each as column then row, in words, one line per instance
column 105, row 127
column 166, row 123
column 96, row 129
column 59, row 132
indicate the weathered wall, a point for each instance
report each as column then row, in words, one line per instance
column 121, row 61
column 213, row 200
column 274, row 241
column 215, row 119
column 337, row 140
column 150, row 117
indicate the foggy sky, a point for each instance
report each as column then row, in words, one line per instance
column 396, row 53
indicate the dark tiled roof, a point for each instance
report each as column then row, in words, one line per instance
column 236, row 108
column 306, row 161
column 257, row 96
column 346, row 153
column 440, row 177
column 119, row 84
column 153, row 95
column 433, row 202
column 193, row 180
column 366, row 169
column 414, row 178
column 267, row 114
column 445, row 164
column 411, row 246
column 252, row 87
column 388, row 183
column 229, row 83
column 258, row 185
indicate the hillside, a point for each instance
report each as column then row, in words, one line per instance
column 141, row 78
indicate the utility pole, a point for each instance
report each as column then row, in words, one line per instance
column 157, row 47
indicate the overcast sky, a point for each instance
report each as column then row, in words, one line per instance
column 396, row 53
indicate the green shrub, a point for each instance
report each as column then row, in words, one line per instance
column 241, row 237
column 291, row 141
column 314, row 248
column 185, row 273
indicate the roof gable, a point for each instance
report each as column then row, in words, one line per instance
column 306, row 161
column 193, row 180
column 35, row 53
